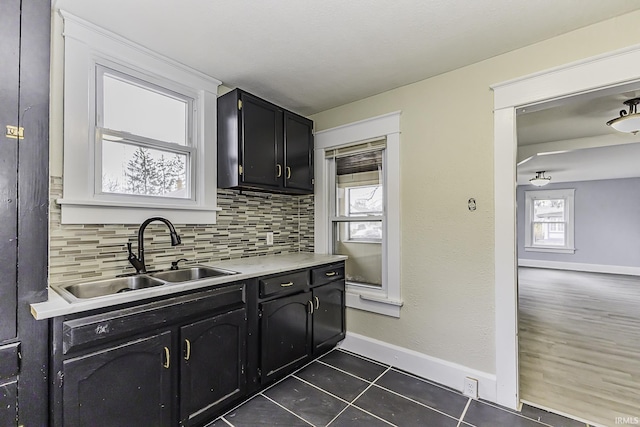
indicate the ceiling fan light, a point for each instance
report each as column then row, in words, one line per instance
column 540, row 180
column 627, row 124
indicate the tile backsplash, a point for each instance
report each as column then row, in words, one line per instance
column 94, row 251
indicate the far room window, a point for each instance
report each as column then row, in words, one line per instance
column 144, row 145
column 549, row 221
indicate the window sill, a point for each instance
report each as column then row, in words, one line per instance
column 374, row 303
column 109, row 212
column 550, row 249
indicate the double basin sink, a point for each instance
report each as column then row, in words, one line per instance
column 103, row 288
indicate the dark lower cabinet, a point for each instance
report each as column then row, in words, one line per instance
column 328, row 316
column 285, row 328
column 8, row 409
column 126, row 385
column 184, row 359
column 213, row 363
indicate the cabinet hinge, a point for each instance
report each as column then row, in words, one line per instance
column 242, row 369
column 260, row 314
column 313, row 181
column 259, row 372
column 240, row 169
column 239, row 104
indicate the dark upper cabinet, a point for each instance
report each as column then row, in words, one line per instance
column 212, row 371
column 263, row 147
column 128, row 384
column 328, row 316
column 285, row 328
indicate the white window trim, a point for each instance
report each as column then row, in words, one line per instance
column 387, row 300
column 569, row 196
column 88, row 46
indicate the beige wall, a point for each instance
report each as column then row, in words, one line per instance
column 447, row 157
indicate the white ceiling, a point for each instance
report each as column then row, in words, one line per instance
column 311, row 55
column 571, row 141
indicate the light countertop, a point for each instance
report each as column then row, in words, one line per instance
column 247, row 268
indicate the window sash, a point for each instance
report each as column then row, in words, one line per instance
column 119, row 136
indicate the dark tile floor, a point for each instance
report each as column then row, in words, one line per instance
column 343, row 389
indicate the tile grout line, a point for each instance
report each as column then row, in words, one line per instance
column 363, row 357
column 409, row 374
column 286, row 409
column 513, row 413
column 414, row 401
column 358, row 397
column 464, row 412
column 344, row 372
column 340, row 399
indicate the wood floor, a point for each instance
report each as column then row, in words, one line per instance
column 580, row 343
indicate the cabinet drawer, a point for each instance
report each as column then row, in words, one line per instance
column 326, row 274
column 120, row 323
column 285, row 283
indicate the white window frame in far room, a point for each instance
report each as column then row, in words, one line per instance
column 87, row 48
column 386, row 300
column 568, row 195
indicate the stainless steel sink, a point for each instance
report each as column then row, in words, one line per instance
column 102, row 288
column 188, row 274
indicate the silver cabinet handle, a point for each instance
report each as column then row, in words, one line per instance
column 310, row 307
column 331, row 273
column 286, row 285
column 317, row 302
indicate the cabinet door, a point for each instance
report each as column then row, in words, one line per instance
column 298, row 145
column 9, row 92
column 328, row 316
column 261, row 148
column 127, row 385
column 213, row 365
column 285, row 329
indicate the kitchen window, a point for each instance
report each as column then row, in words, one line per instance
column 144, row 138
column 549, row 217
column 139, row 133
column 357, row 208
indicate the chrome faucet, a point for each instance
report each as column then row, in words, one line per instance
column 138, row 261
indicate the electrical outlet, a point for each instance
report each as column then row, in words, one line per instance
column 470, row 388
column 270, row 238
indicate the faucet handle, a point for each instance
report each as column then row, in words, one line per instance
column 174, row 264
column 129, row 248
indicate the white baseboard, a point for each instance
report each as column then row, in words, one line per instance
column 437, row 370
column 577, row 266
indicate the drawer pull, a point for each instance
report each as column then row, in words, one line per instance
column 310, row 307
column 167, row 358
column 317, row 302
column 286, row 285
column 187, row 350
column 330, row 273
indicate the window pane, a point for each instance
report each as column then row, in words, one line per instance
column 359, row 189
column 144, row 112
column 130, row 169
column 548, row 234
column 364, row 200
column 364, row 265
column 548, row 210
column 370, row 230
